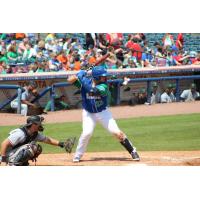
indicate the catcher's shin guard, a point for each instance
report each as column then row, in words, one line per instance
column 25, row 153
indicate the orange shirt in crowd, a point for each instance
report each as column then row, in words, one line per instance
column 92, row 60
column 61, row 58
column 20, row 35
column 77, row 65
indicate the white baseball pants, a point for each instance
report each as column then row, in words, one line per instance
column 24, row 107
column 88, row 124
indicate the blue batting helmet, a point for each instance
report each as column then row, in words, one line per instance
column 98, row 71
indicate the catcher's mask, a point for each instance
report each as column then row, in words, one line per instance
column 35, row 119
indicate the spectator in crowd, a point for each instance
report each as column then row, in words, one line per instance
column 136, row 49
column 54, row 64
column 62, row 58
column 132, row 62
column 129, row 42
column 165, row 97
column 142, row 96
column 12, row 54
column 190, row 94
column 172, row 92
column 170, row 60
column 49, row 45
column 22, row 46
column 32, row 68
column 147, row 58
column 50, row 37
column 155, row 94
column 40, row 67
column 28, row 94
column 77, row 63
column 72, row 52
column 66, row 43
column 114, row 39
column 168, row 40
column 59, row 104
column 180, row 59
column 90, row 40
column 20, row 36
column 29, row 55
column 101, row 41
column 192, row 57
column 3, row 36
column 2, row 45
column 111, row 61
column 179, row 41
column 197, row 60
column 3, row 67
column 139, row 98
column 40, row 46
column 3, row 56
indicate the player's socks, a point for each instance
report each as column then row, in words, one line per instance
column 127, row 145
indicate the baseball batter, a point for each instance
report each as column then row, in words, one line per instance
column 94, row 92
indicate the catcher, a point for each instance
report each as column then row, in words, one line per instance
column 21, row 144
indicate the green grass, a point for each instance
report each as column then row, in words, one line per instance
column 179, row 132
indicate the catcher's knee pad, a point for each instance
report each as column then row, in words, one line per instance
column 25, row 153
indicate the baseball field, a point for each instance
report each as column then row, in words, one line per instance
column 165, row 135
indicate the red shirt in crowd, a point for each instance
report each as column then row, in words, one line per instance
column 114, row 39
column 179, row 39
column 137, row 53
column 178, row 57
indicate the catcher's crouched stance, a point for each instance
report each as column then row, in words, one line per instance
column 21, row 146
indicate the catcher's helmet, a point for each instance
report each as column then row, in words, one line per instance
column 98, row 71
column 35, row 119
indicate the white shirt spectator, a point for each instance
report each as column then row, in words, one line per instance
column 30, row 54
column 188, row 95
column 172, row 97
column 155, row 98
column 165, row 98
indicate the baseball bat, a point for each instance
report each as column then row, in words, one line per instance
column 102, row 59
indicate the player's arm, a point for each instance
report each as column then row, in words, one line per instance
column 78, row 79
column 101, row 89
column 72, row 79
column 52, row 141
column 28, row 103
column 67, row 144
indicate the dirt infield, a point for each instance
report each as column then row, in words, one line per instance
column 157, row 158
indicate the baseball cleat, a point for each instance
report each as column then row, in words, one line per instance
column 135, row 155
column 76, row 159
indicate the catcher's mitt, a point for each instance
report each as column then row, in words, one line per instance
column 68, row 144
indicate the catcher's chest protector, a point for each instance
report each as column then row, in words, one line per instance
column 28, row 138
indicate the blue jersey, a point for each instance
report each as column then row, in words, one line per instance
column 94, row 98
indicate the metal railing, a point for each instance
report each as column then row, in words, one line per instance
column 53, row 87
